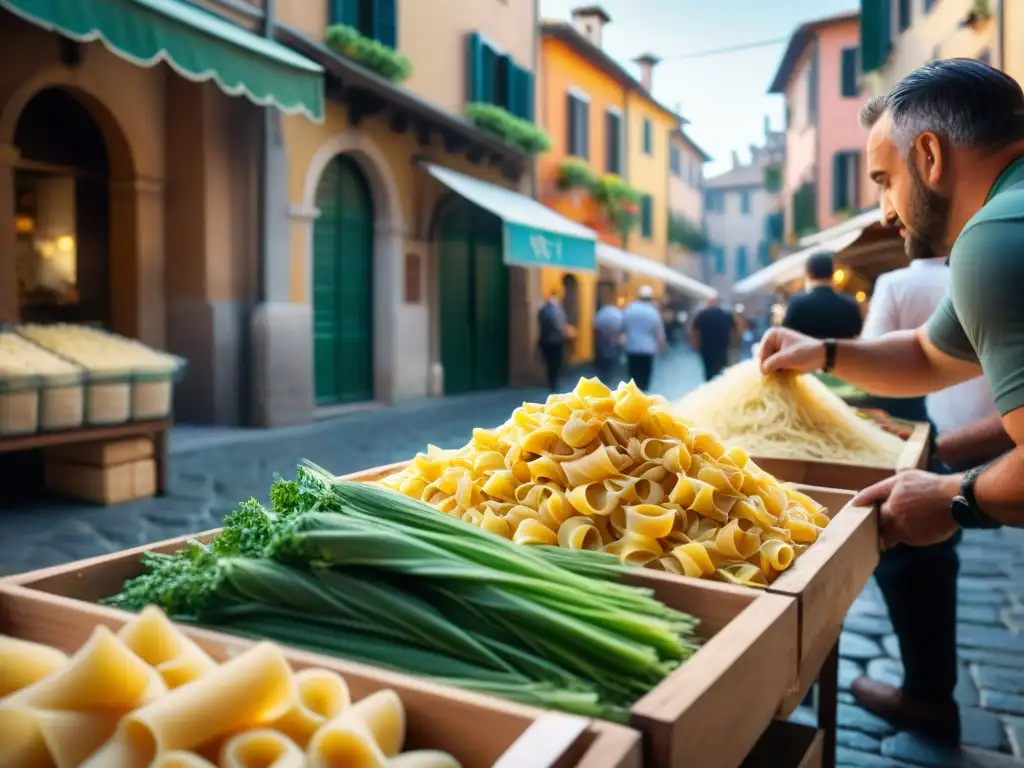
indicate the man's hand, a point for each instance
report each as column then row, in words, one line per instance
column 915, row 507
column 785, row 350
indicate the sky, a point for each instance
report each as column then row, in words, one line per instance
column 724, row 96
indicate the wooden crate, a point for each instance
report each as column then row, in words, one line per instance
column 103, row 453
column 480, row 731
column 787, row 745
column 853, row 477
column 106, row 485
column 749, row 653
column 824, row 581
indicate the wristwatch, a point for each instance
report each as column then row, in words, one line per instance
column 830, row 355
column 964, row 507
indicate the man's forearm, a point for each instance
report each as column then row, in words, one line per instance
column 974, row 443
column 893, row 365
column 999, row 490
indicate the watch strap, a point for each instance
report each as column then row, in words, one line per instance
column 964, row 508
column 830, row 355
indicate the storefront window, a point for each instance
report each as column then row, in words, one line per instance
column 46, row 256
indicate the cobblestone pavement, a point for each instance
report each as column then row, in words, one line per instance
column 991, row 650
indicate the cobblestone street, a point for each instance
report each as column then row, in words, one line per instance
column 212, row 470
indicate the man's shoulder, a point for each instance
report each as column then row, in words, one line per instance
column 991, row 239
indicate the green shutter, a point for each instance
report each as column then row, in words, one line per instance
column 385, row 22
column 489, row 74
column 875, row 33
column 848, row 83
column 741, row 262
column 812, row 86
column 474, row 67
column 345, row 12
column 526, row 83
column 839, row 182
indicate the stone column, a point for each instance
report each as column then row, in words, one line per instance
column 10, row 311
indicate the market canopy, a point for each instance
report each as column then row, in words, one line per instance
column 638, row 265
column 196, row 44
column 535, row 236
column 791, row 267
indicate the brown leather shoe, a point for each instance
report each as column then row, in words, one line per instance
column 939, row 721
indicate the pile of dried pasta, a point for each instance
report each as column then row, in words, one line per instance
column 787, row 416
column 622, row 473
column 149, row 696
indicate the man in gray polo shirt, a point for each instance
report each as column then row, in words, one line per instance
column 946, row 146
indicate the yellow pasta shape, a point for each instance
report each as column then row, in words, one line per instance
column 104, row 676
column 320, row 695
column 621, row 472
column 47, row 738
column 261, row 748
column 250, row 691
column 153, row 637
column 23, row 663
column 383, row 717
column 180, row 759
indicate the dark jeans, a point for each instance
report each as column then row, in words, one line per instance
column 714, row 361
column 605, row 367
column 640, row 369
column 552, row 354
column 919, row 587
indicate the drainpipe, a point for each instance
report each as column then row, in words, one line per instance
column 1001, row 34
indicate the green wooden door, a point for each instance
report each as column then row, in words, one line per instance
column 473, row 300
column 343, row 286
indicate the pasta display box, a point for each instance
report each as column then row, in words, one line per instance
column 19, row 405
column 681, row 718
column 171, row 678
column 105, row 473
column 849, row 476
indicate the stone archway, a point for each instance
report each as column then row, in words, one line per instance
column 389, row 232
column 136, row 208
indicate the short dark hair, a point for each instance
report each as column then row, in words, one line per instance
column 820, row 266
column 968, row 103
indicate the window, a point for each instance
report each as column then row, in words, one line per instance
column 718, row 252
column 646, row 217
column 742, row 268
column 493, row 77
column 846, row 181
column 773, row 227
column 714, row 200
column 744, row 201
column 848, row 76
column 578, row 111
column 613, row 139
column 764, row 254
column 805, row 210
column 376, row 19
column 675, row 161
column 648, row 137
column 904, row 15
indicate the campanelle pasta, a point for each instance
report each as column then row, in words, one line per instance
column 620, row 472
column 149, row 697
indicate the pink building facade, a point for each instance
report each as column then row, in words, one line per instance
column 824, row 179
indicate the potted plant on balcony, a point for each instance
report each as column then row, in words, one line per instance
column 515, row 132
column 619, row 201
column 352, row 44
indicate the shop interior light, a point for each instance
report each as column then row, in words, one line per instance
column 861, row 297
column 839, row 277
column 65, row 244
column 24, row 225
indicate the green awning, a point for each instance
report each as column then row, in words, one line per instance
column 534, row 235
column 196, row 44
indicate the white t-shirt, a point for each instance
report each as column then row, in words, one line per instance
column 904, row 299
column 643, row 327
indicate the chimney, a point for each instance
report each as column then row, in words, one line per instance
column 647, row 62
column 589, row 21
column 735, row 159
column 767, row 126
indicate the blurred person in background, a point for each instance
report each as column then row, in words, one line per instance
column 608, row 341
column 554, row 333
column 712, row 336
column 821, row 312
column 919, row 583
column 645, row 336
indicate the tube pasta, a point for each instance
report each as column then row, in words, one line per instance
column 108, row 707
column 620, row 472
column 23, row 663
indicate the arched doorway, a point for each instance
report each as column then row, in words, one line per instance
column 62, row 212
column 472, row 298
column 343, row 285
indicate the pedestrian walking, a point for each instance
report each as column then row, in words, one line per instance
column 946, row 146
column 712, row 336
column 645, row 336
column 554, row 332
column 608, row 342
column 821, row 312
